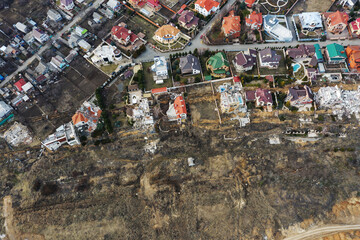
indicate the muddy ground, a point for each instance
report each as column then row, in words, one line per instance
column 239, row 189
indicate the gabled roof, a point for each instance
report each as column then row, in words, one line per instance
column 338, row 17
column 188, row 18
column 19, row 84
column 297, row 92
column 318, row 52
column 244, row 60
column 249, row 3
column 66, row 2
column 231, row 24
column 132, row 88
column 355, row 25
column 79, row 117
column 254, row 17
column 120, row 32
column 336, row 50
column 269, row 55
column 264, row 95
column 153, row 3
column 159, row 90
column 301, row 50
column 207, row 4
column 189, row 62
column 179, row 106
column 218, row 60
column 250, row 95
column 167, row 30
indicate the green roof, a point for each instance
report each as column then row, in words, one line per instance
column 220, row 71
column 318, row 51
column 218, row 60
column 84, row 31
column 336, row 50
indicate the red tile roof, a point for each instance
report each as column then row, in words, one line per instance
column 339, row 17
column 249, row 3
column 254, row 17
column 159, row 90
column 231, row 24
column 207, row 4
column 19, row 84
column 120, row 32
column 78, row 117
column 355, row 25
column 236, row 79
column 270, row 78
column 153, row 3
column 180, row 107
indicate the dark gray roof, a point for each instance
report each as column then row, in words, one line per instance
column 302, row 50
column 245, row 60
column 269, row 55
column 188, row 63
column 298, row 91
column 313, row 62
column 133, row 87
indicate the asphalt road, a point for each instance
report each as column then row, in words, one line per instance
column 323, row 231
column 48, row 44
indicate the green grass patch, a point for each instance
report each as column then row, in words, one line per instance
column 109, row 69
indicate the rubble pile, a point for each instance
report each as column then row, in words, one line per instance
column 342, row 102
column 18, row 134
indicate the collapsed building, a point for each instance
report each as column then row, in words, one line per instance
column 18, row 134
column 341, row 102
column 231, row 99
column 140, row 114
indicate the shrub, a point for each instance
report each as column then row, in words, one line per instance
column 82, row 185
column 321, row 118
column 49, row 189
column 282, row 117
column 37, row 185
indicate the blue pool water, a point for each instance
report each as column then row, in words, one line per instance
column 296, row 67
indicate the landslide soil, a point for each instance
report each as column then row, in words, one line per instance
column 239, row 189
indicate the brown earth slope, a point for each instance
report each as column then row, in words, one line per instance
column 240, row 189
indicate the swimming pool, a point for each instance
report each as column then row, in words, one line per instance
column 296, row 67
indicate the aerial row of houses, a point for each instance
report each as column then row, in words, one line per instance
column 276, row 26
column 234, row 99
column 316, row 57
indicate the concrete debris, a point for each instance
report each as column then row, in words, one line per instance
column 151, row 147
column 274, row 139
column 141, row 115
column 191, row 162
column 231, row 98
column 18, row 134
column 341, row 102
column 243, row 121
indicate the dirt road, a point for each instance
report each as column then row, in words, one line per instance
column 8, row 215
column 323, row 231
column 11, row 232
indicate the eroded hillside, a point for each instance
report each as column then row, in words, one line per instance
column 240, row 187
